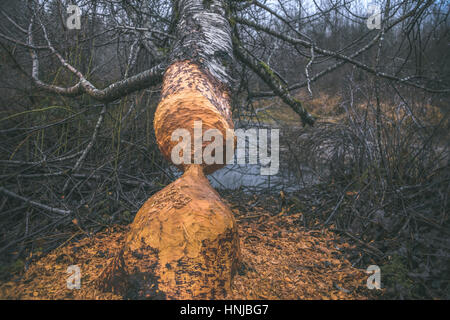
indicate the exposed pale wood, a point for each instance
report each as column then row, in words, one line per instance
column 183, row 243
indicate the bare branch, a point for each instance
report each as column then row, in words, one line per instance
column 34, row 203
column 342, row 57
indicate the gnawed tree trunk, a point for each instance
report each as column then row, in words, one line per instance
column 183, row 243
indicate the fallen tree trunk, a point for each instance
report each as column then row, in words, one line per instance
column 183, row 243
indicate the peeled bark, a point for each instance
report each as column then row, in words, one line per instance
column 183, row 243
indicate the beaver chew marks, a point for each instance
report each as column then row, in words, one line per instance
column 189, row 95
column 183, row 243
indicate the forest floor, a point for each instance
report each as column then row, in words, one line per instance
column 281, row 259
